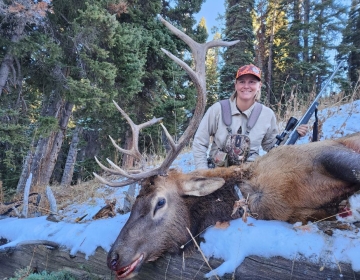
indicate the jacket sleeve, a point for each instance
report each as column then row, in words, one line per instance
column 270, row 137
column 202, row 139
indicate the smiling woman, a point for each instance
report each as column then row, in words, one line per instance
column 242, row 103
column 249, row 122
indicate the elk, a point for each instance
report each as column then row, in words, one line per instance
column 290, row 183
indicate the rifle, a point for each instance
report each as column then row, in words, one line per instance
column 294, row 135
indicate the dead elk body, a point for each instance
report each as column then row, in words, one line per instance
column 290, row 183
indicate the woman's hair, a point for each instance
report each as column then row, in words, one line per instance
column 258, row 95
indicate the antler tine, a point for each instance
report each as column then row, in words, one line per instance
column 220, row 43
column 134, row 151
column 116, row 171
column 114, row 184
column 198, row 52
column 169, row 138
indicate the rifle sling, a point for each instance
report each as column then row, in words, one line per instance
column 315, row 127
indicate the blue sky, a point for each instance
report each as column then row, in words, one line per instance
column 210, row 11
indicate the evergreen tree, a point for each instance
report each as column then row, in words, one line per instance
column 302, row 63
column 238, row 26
column 269, row 20
column 82, row 56
column 166, row 90
column 350, row 47
column 212, row 74
column 17, row 112
column 75, row 80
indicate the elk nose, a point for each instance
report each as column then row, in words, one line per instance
column 114, row 257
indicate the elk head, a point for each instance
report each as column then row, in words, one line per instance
column 166, row 197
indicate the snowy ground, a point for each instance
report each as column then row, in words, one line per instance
column 232, row 244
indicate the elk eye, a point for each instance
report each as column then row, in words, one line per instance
column 160, row 204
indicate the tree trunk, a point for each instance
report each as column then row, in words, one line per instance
column 306, row 30
column 87, row 151
column 5, row 70
column 25, row 170
column 79, row 175
column 271, row 44
column 55, row 146
column 8, row 58
column 35, row 160
column 128, row 161
column 295, row 32
column 38, row 159
column 71, row 158
column 32, row 164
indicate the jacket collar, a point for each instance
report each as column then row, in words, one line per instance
column 234, row 109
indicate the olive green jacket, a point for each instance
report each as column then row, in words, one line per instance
column 263, row 134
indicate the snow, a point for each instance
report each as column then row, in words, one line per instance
column 231, row 244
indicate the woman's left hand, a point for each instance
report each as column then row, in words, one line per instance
column 302, row 130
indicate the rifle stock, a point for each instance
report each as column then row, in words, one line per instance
column 294, row 135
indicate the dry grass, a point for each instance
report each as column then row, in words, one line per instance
column 67, row 195
column 64, row 196
column 294, row 107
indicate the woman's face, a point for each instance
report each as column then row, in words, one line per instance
column 246, row 87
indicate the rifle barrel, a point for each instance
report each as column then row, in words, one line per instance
column 294, row 135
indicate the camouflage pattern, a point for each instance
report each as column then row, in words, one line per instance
column 237, row 147
column 220, row 159
column 249, row 69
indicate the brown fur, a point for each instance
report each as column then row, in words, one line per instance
column 290, row 183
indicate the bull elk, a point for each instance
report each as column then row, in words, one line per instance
column 290, row 183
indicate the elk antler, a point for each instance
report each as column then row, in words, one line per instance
column 199, row 79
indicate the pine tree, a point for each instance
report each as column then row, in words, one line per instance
column 269, row 21
column 239, row 26
column 77, row 77
column 212, row 73
column 18, row 38
column 349, row 48
column 302, row 63
column 166, row 90
column 84, row 55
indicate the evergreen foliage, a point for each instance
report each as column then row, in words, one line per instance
column 83, row 55
column 44, row 275
column 349, row 49
column 212, row 74
column 239, row 26
column 304, row 39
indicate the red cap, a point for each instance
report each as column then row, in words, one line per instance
column 249, row 69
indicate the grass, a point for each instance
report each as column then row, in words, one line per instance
column 294, row 107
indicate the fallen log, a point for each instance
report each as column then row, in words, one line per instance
column 40, row 257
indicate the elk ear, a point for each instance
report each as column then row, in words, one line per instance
column 201, row 186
